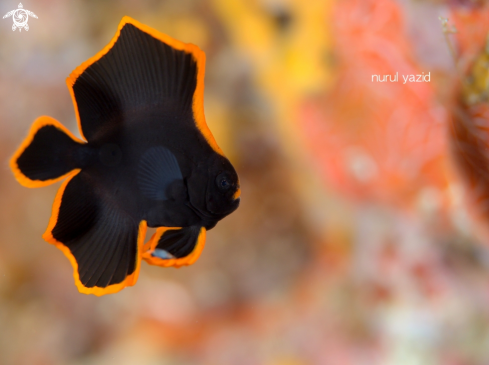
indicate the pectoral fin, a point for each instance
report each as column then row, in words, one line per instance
column 158, row 169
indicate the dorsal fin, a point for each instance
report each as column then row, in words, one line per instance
column 135, row 70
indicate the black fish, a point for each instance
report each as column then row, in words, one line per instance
column 149, row 160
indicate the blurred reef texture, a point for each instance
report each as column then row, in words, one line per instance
column 358, row 240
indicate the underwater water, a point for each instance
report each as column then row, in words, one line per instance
column 361, row 234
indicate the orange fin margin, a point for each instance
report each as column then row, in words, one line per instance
column 150, row 246
column 197, row 53
column 114, row 288
column 38, row 124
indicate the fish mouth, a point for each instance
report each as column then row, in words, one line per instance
column 236, row 203
column 209, row 214
column 237, row 194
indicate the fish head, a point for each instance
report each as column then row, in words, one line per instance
column 213, row 189
column 223, row 190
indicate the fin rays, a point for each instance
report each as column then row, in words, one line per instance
column 158, row 168
column 101, row 240
column 185, row 244
column 138, row 70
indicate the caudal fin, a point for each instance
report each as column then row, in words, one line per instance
column 48, row 154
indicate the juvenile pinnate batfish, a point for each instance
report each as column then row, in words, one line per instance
column 148, row 159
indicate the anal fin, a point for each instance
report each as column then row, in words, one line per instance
column 175, row 246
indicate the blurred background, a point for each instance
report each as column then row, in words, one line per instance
column 358, row 239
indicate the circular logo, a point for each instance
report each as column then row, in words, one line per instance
column 20, row 18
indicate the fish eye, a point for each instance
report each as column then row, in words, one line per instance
column 223, row 181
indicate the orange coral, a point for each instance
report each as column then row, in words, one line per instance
column 375, row 140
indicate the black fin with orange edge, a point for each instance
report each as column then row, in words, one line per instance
column 102, row 242
column 48, row 154
column 139, row 68
column 175, row 246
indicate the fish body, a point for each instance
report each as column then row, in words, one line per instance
column 148, row 159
